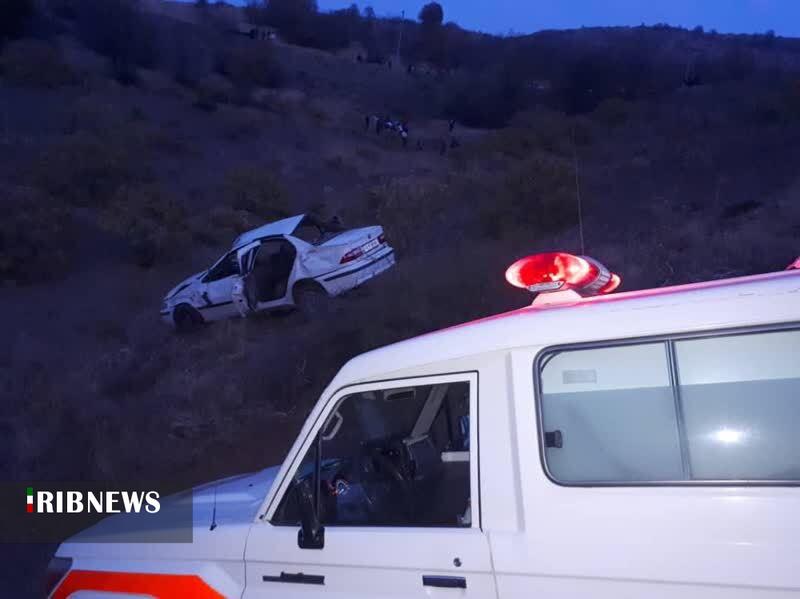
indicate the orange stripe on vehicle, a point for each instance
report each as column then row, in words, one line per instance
column 161, row 586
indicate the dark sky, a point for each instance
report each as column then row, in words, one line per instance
column 525, row 16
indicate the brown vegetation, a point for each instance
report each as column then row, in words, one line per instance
column 35, row 63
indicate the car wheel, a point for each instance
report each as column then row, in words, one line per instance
column 312, row 301
column 186, row 318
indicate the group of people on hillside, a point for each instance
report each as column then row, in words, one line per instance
column 380, row 124
column 399, row 127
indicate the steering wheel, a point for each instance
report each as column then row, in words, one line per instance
column 385, row 482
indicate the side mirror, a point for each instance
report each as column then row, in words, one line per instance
column 311, row 534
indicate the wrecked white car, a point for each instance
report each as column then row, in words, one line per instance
column 295, row 262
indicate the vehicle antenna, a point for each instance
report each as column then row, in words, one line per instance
column 400, row 34
column 578, row 191
column 214, row 511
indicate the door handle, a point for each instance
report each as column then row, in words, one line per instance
column 445, row 582
column 298, row 578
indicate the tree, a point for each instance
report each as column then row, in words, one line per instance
column 120, row 31
column 431, row 45
column 14, row 16
column 431, row 15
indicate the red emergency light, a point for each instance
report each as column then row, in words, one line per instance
column 559, row 271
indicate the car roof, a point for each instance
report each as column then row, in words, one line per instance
column 728, row 303
column 285, row 226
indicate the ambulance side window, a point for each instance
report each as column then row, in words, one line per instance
column 609, row 415
column 741, row 405
column 393, row 457
column 684, row 409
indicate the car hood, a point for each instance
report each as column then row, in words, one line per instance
column 237, row 498
column 222, row 512
column 184, row 284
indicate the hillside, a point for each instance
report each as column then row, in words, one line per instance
column 119, row 179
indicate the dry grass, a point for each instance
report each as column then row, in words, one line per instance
column 256, row 189
column 237, row 124
column 152, row 222
column 35, row 235
column 613, row 112
column 35, row 63
column 401, row 205
column 86, row 169
column 537, row 195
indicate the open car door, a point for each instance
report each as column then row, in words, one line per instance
column 246, row 256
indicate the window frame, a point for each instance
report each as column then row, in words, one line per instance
column 224, row 258
column 669, row 340
column 470, row 377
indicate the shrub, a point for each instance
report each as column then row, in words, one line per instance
column 240, row 123
column 487, row 99
column 34, row 233
column 120, row 31
column 538, row 194
column 613, row 112
column 211, row 90
column 222, row 224
column 401, row 205
column 14, row 16
column 530, row 132
column 249, row 66
column 36, row 64
column 258, row 190
column 64, row 9
column 86, row 169
column 152, row 223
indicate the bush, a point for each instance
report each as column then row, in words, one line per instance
column 401, row 205
column 257, row 190
column 222, row 224
column 14, row 17
column 530, row 132
column 34, row 233
column 249, row 66
column 212, row 90
column 240, row 123
column 86, row 169
column 613, row 112
column 537, row 194
column 35, row 64
column 120, row 31
column 487, row 99
column 152, row 223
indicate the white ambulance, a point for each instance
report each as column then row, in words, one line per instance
column 640, row 444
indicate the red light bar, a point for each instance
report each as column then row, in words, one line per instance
column 614, row 282
column 559, row 271
column 550, row 272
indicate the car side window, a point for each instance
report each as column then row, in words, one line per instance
column 392, row 457
column 227, row 267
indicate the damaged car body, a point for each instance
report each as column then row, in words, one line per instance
column 297, row 262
